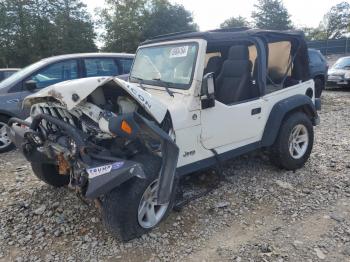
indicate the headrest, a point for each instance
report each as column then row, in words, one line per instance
column 238, row 52
column 214, row 64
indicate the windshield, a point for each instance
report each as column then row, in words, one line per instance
column 342, row 63
column 21, row 73
column 170, row 65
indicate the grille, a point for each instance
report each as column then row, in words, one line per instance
column 57, row 112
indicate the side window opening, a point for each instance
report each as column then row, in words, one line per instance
column 234, row 74
column 100, row 67
column 55, row 73
column 278, row 65
column 253, row 57
column 213, row 62
column 125, row 65
column 288, row 65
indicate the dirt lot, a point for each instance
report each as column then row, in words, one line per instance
column 260, row 213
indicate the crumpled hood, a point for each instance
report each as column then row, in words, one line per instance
column 73, row 92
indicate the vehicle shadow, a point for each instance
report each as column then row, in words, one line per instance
column 337, row 89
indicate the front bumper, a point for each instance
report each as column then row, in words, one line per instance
column 102, row 176
column 336, row 80
column 99, row 173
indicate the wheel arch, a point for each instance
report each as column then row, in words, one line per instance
column 281, row 110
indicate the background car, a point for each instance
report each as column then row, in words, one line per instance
column 339, row 73
column 6, row 72
column 318, row 70
column 50, row 71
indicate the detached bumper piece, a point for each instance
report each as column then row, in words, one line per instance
column 104, row 178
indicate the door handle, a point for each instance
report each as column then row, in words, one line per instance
column 256, row 111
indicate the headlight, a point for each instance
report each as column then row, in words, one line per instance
column 347, row 75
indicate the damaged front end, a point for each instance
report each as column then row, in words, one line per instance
column 94, row 137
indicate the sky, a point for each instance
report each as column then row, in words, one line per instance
column 210, row 14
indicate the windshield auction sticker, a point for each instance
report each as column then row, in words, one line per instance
column 180, row 51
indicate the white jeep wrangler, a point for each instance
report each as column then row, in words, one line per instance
column 192, row 99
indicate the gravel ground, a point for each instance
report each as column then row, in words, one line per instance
column 260, row 213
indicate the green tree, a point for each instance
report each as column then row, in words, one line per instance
column 128, row 22
column 314, row 33
column 335, row 24
column 15, row 32
column 34, row 29
column 123, row 24
column 75, row 30
column 161, row 17
column 235, row 22
column 272, row 15
column 336, row 21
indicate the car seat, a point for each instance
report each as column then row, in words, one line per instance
column 233, row 82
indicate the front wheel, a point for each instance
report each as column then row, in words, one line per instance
column 294, row 143
column 49, row 174
column 131, row 209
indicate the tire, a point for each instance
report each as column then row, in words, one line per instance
column 319, row 87
column 120, row 207
column 5, row 144
column 49, row 174
column 283, row 152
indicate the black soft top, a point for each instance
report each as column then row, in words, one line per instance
column 220, row 36
column 230, row 34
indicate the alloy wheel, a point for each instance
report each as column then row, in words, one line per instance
column 298, row 141
column 5, row 141
column 149, row 212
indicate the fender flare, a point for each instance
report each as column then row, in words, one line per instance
column 281, row 110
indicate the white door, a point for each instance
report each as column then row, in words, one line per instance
column 238, row 124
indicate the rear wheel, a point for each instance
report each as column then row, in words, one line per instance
column 131, row 209
column 49, row 174
column 5, row 142
column 294, row 143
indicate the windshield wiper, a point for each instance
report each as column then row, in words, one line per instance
column 166, row 85
column 140, row 81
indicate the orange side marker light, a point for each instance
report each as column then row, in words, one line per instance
column 126, row 127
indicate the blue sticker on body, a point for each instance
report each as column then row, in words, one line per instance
column 117, row 165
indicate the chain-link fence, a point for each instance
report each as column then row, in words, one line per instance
column 332, row 46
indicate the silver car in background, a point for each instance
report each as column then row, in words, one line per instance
column 339, row 73
column 50, row 71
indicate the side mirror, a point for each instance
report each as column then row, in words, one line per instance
column 208, row 91
column 30, row 85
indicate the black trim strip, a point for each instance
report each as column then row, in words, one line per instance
column 208, row 162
